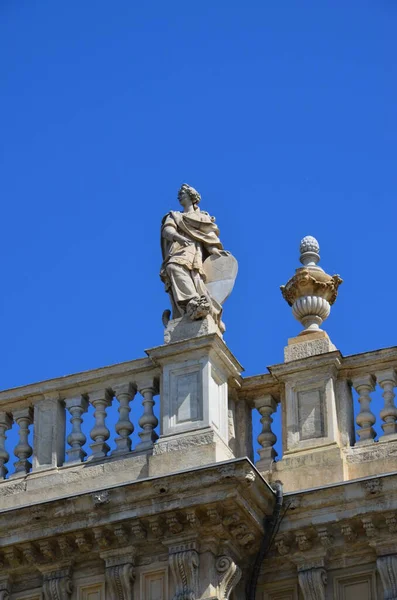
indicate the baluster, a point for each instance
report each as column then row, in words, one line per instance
column 77, row 406
column 5, row 424
column 23, row 450
column 266, row 406
column 148, row 421
column 100, row 433
column 124, row 394
column 365, row 418
column 388, row 381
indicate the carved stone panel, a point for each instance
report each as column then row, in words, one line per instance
column 310, row 414
column 286, row 592
column 355, row 587
column 154, row 585
column 186, row 395
column 92, row 592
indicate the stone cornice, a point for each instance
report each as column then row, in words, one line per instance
column 232, row 497
column 160, row 355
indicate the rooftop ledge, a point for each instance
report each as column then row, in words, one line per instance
column 205, row 406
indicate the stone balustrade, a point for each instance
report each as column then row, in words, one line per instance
column 320, row 419
column 332, row 406
column 45, row 409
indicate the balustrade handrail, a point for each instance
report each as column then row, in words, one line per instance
column 46, row 404
column 76, row 381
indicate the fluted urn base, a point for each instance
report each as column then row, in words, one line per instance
column 311, row 311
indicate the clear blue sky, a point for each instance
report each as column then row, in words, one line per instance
column 283, row 116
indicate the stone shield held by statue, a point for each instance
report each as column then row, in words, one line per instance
column 220, row 275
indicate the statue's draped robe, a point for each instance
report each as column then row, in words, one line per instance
column 182, row 268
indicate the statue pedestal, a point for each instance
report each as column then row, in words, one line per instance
column 195, row 376
column 185, row 329
column 308, row 344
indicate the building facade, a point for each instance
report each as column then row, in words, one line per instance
column 187, row 514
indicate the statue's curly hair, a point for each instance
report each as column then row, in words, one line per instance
column 187, row 189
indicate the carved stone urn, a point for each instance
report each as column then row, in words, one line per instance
column 311, row 292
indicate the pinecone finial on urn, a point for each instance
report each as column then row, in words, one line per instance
column 311, row 292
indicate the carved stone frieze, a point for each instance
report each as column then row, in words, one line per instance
column 387, row 567
column 349, row 532
column 101, row 498
column 57, row 584
column 30, row 554
column 391, row 522
column 83, row 542
column 312, row 583
column 13, row 556
column 184, row 565
column 121, row 534
column 161, row 487
column 369, row 527
column 281, row 543
column 65, row 546
column 229, row 576
column 138, row 531
column 192, row 518
column 119, row 573
column 325, row 537
column 250, row 478
column 214, row 515
column 102, row 537
column 303, row 541
column 242, row 534
column 47, row 550
column 227, row 471
column 155, row 526
column 173, row 523
column 373, row 487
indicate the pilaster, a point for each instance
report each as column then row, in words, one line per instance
column 194, row 383
column 49, row 433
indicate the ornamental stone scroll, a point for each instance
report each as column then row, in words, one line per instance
column 57, row 584
column 387, row 568
column 119, row 573
column 229, row 576
column 184, row 563
column 312, row 583
column 5, row 587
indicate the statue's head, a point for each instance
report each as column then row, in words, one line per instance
column 188, row 194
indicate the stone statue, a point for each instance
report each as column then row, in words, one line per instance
column 198, row 274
